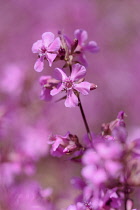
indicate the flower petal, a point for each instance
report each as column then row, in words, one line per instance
column 71, row 100
column 57, row 143
column 83, row 87
column 50, row 57
column 92, row 47
column 39, row 64
column 44, row 79
column 81, row 35
column 60, row 74
column 47, row 38
column 36, row 46
column 83, row 60
column 56, row 90
column 55, row 45
column 78, row 72
column 45, row 94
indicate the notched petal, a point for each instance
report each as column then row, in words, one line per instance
column 78, row 72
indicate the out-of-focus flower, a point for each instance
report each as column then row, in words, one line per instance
column 110, row 199
column 12, row 78
column 133, row 162
column 34, row 143
column 20, row 149
column 47, row 83
column 25, row 196
column 8, row 171
column 64, row 144
column 72, row 85
column 78, row 206
column 103, row 163
column 47, row 48
column 115, row 130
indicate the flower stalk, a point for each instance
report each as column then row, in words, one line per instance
column 84, row 118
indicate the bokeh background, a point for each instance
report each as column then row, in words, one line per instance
column 24, row 119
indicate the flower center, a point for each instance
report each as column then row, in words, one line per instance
column 68, row 83
column 42, row 51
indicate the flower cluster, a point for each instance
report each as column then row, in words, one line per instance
column 110, row 163
column 110, row 171
column 63, row 49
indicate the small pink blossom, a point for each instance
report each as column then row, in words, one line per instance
column 72, row 84
column 46, row 48
column 64, row 144
column 82, row 47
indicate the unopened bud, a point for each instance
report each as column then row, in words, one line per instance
column 74, row 45
column 93, row 86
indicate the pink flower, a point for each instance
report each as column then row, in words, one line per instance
column 91, row 46
column 82, row 36
column 8, row 172
column 61, row 145
column 47, row 49
column 72, row 84
column 77, row 206
column 104, row 161
column 24, row 196
column 115, row 130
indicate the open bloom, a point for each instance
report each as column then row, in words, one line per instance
column 47, row 49
column 72, row 84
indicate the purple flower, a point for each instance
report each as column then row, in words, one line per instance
column 33, row 145
column 77, row 206
column 82, row 36
column 46, row 48
column 115, row 130
column 132, row 160
column 64, row 144
column 8, row 172
column 104, row 161
column 72, row 84
column 111, row 199
column 25, row 196
column 73, row 51
column 13, row 82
